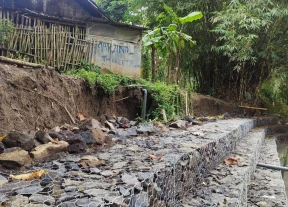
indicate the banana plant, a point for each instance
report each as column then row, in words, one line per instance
column 169, row 40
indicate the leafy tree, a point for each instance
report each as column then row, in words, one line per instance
column 115, row 9
column 246, row 33
column 169, row 41
column 127, row 11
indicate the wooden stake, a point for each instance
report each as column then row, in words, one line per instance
column 163, row 112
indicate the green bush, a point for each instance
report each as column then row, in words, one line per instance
column 6, row 28
column 165, row 97
column 274, row 94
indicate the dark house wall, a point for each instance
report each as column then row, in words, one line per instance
column 71, row 9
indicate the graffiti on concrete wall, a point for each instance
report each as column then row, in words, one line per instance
column 118, row 56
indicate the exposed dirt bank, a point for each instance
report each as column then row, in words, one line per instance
column 208, row 105
column 40, row 98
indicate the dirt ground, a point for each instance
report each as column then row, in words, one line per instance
column 40, row 98
column 208, row 105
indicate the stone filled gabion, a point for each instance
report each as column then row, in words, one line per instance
column 156, row 171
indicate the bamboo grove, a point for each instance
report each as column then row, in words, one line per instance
column 237, row 50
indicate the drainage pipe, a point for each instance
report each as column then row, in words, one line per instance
column 273, row 167
column 144, row 104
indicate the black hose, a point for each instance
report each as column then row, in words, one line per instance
column 273, row 167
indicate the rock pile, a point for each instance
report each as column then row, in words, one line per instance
column 132, row 172
column 20, row 149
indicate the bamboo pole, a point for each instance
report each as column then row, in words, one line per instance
column 35, row 45
column 250, row 107
column 20, row 62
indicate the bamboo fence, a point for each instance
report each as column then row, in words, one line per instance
column 60, row 48
column 38, row 41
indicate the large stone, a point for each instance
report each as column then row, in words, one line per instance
column 107, row 173
column 146, row 128
column 161, row 126
column 2, row 148
column 43, row 137
column 17, row 201
column 129, row 179
column 3, row 198
column 35, row 205
column 90, row 161
column 49, row 149
column 116, row 200
column 95, row 170
column 127, row 133
column 89, row 124
column 56, row 129
column 17, row 139
column 99, row 136
column 3, row 180
column 14, row 158
column 12, row 186
column 262, row 204
column 159, row 204
column 180, row 124
column 119, row 165
column 124, row 122
column 30, row 190
column 75, row 141
column 46, row 179
column 109, row 125
column 91, row 202
column 88, row 137
column 69, row 196
column 141, row 200
column 97, row 192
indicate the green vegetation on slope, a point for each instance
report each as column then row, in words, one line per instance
column 164, row 96
column 95, row 77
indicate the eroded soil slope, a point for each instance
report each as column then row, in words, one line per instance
column 40, row 98
column 208, row 105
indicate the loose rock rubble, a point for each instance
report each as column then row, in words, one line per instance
column 129, row 165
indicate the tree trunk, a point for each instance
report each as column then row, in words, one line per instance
column 177, row 63
column 153, row 68
column 169, row 70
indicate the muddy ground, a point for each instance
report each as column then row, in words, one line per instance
column 40, row 98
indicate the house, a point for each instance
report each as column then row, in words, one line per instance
column 71, row 31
